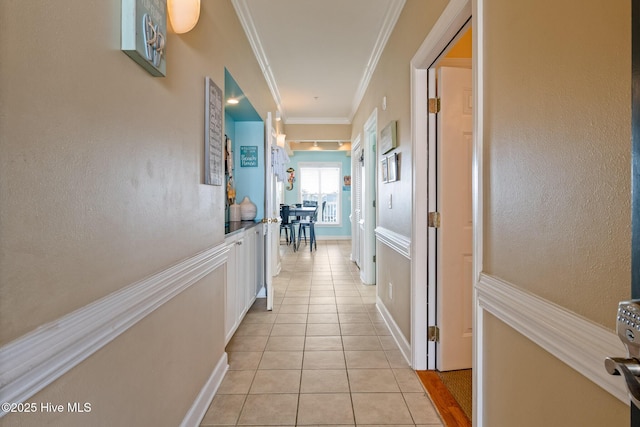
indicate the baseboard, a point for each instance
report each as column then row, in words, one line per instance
column 35, row 360
column 576, row 341
column 201, row 404
column 401, row 341
column 395, row 241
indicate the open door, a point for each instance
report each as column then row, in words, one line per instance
column 454, row 236
column 272, row 214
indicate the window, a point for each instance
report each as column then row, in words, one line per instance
column 320, row 183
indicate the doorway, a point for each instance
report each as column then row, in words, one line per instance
column 438, row 43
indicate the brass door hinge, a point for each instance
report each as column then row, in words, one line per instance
column 434, row 105
column 434, row 220
column 433, row 334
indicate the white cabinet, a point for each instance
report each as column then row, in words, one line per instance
column 243, row 275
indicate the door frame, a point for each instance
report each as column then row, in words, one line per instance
column 368, row 266
column 455, row 15
column 635, row 166
column 355, row 197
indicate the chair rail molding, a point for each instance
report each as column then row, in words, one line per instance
column 35, row 360
column 396, row 241
column 578, row 342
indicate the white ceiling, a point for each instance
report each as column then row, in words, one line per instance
column 318, row 55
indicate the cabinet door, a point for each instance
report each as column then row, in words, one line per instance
column 259, row 284
column 241, row 278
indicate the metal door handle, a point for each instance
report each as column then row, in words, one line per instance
column 630, row 370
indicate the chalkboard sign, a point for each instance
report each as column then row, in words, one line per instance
column 213, row 170
column 248, row 156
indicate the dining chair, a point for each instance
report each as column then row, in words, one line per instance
column 287, row 225
column 309, row 223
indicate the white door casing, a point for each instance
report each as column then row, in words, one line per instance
column 356, row 201
column 368, row 185
column 455, row 235
column 272, row 215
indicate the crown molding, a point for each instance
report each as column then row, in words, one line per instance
column 391, row 18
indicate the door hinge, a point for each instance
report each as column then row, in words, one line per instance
column 433, row 334
column 374, row 258
column 374, row 203
column 434, row 105
column 434, row 220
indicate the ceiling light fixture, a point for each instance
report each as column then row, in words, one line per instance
column 278, row 116
column 315, row 143
column 232, row 101
column 340, row 143
column 183, row 14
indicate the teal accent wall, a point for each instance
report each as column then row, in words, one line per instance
column 249, row 180
column 292, row 197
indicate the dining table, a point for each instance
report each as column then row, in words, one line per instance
column 300, row 212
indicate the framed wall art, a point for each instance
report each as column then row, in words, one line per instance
column 384, row 170
column 392, row 161
column 388, row 137
column 213, row 167
column 144, row 34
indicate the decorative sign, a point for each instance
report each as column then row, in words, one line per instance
column 144, row 34
column 213, row 169
column 248, row 156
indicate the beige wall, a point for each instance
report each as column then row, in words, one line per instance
column 556, row 185
column 101, row 173
column 557, row 170
column 318, row 132
column 557, row 192
column 392, row 79
column 528, row 387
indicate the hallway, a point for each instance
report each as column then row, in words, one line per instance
column 323, row 356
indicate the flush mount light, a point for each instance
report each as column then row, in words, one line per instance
column 232, row 101
column 315, row 143
column 183, row 14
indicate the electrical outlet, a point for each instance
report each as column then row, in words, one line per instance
column 390, row 290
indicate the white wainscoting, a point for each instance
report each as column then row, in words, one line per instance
column 402, row 245
column 206, row 395
column 38, row 358
column 396, row 333
column 578, row 342
column 397, row 242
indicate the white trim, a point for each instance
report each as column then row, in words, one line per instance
column 477, row 24
column 456, row 62
column 401, row 341
column 399, row 243
column 449, row 23
column 38, row 358
column 578, row 342
column 201, row 404
column 318, row 121
column 390, row 18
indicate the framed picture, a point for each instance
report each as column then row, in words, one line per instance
column 383, row 170
column 392, row 161
column 388, row 137
column 213, row 156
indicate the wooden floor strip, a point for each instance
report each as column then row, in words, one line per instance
column 451, row 413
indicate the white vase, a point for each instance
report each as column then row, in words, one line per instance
column 248, row 209
column 234, row 212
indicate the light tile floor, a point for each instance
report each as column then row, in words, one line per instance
column 323, row 356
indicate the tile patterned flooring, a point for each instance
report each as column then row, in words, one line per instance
column 323, row 356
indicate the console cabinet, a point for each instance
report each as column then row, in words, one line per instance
column 245, row 275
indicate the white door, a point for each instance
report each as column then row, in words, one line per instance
column 455, row 235
column 271, row 215
column 368, row 187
